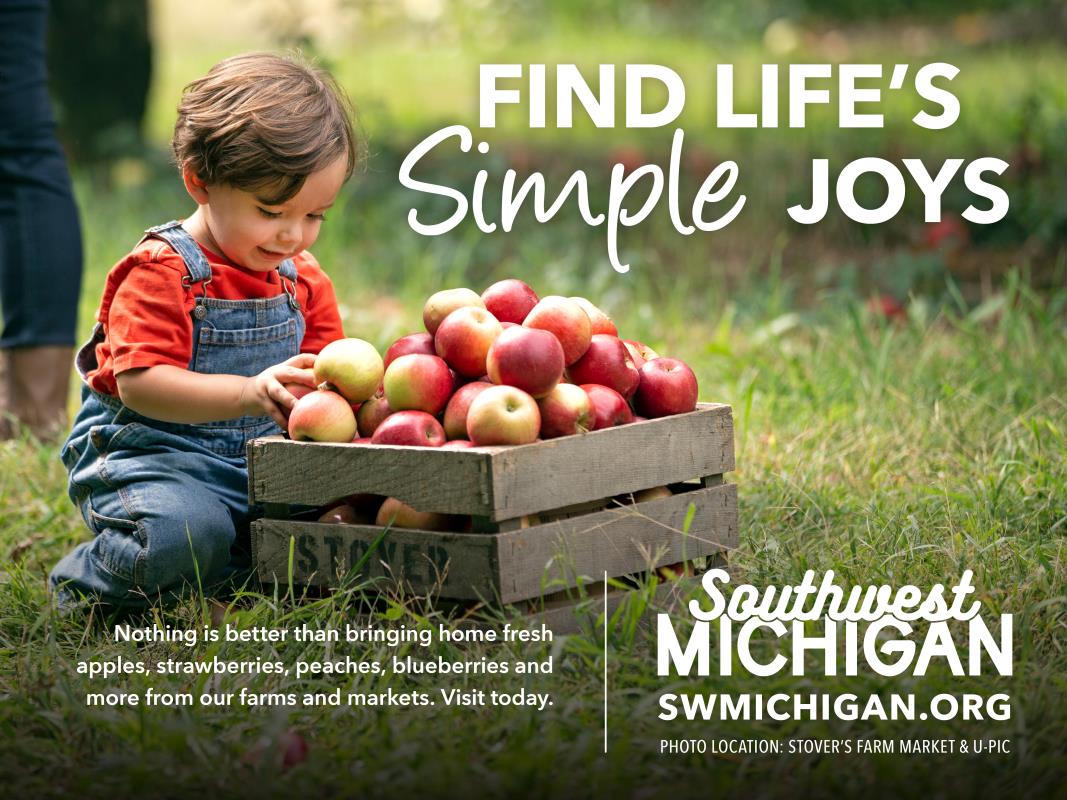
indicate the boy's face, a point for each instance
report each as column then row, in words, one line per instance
column 258, row 235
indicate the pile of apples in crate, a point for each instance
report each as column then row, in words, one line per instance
column 500, row 368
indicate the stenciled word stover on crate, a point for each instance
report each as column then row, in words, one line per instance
column 528, row 517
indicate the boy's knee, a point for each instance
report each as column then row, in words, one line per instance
column 188, row 548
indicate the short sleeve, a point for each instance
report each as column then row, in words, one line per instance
column 322, row 319
column 148, row 323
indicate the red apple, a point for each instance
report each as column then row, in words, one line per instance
column 609, row 407
column 566, row 319
column 639, row 352
column 527, row 358
column 406, row 345
column 509, row 300
column 418, row 382
column 457, row 444
column 371, row 414
column 322, row 416
column 599, row 322
column 298, row 390
column 400, row 515
column 565, row 410
column 607, row 362
column 667, row 387
column 464, row 337
column 340, row 514
column 503, row 415
column 457, row 408
column 351, row 366
column 412, row 428
column 441, row 304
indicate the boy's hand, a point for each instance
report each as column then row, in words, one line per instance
column 265, row 393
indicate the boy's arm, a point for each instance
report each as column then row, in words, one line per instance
column 172, row 394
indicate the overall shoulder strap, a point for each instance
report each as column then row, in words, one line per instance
column 184, row 245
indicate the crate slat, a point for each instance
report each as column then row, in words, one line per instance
column 499, row 483
column 509, row 566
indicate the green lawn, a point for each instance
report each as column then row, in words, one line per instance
column 889, row 452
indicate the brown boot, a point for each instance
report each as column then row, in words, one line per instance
column 34, row 384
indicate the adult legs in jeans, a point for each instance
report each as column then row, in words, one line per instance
column 40, row 238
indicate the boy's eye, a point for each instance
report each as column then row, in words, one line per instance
column 319, row 217
column 269, row 214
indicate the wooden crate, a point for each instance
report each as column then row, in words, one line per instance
column 573, row 485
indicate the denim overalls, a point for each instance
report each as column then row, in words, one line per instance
column 168, row 502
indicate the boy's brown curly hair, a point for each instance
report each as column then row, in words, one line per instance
column 263, row 122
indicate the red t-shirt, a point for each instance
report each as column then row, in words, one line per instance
column 146, row 311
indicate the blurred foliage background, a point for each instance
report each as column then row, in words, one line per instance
column 412, row 67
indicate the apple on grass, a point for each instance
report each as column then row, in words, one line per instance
column 464, row 337
column 503, row 415
column 509, row 300
column 599, row 322
column 607, row 362
column 441, row 304
column 322, row 416
column 406, row 345
column 565, row 411
column 668, row 386
column 565, row 319
column 351, row 366
column 609, row 407
column 526, row 358
column 411, row 428
column 418, row 382
column 455, row 423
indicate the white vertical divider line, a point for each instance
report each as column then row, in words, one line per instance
column 605, row 662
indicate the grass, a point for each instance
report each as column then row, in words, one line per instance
column 897, row 453
column 888, row 452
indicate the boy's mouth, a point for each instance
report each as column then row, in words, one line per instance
column 272, row 254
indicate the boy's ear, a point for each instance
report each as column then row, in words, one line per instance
column 196, row 188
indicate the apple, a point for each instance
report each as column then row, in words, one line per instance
column 464, row 337
column 441, row 304
column 668, row 386
column 639, row 352
column 655, row 493
column 298, row 390
column 680, row 569
column 599, row 322
column 418, row 382
column 322, row 416
column 609, row 407
column 371, row 414
column 340, row 514
column 288, row 750
column 457, row 444
column 607, row 362
column 565, row 410
column 509, row 300
column 406, row 345
column 351, row 366
column 400, row 515
column 530, row 359
column 456, row 411
column 412, row 428
column 566, row 319
column 503, row 415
